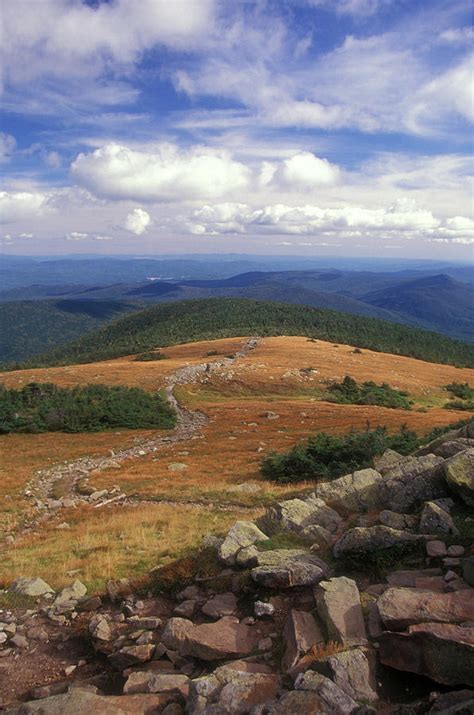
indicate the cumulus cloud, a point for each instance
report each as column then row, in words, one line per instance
column 305, row 171
column 17, row 205
column 163, row 174
column 403, row 219
column 137, row 221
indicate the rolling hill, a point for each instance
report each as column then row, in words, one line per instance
column 187, row 321
column 32, row 327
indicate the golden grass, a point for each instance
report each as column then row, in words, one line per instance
column 105, row 543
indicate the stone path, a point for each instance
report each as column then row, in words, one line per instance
column 67, row 477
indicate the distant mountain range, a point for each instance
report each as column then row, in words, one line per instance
column 38, row 316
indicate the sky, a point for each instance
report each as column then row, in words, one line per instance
column 312, row 127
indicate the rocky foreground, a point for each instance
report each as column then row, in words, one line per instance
column 357, row 598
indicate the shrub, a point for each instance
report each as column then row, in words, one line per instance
column 150, row 356
column 461, row 390
column 45, row 407
column 349, row 392
column 326, row 456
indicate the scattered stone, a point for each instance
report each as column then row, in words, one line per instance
column 118, row 589
column 19, row 641
column 185, row 609
column 70, row 595
column 83, row 702
column 339, row 606
column 131, row 655
column 468, row 570
column 295, row 514
column 353, row 671
column 247, row 557
column 100, row 629
column 177, row 467
column 261, row 608
column 226, row 638
column 401, row 522
column 150, row 682
column 455, row 550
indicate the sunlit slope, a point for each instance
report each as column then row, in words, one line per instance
column 172, row 323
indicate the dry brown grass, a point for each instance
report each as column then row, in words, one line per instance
column 233, row 443
column 107, row 543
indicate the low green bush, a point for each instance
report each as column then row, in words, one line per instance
column 349, row 392
column 44, row 407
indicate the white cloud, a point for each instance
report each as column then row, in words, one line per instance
column 352, row 7
column 305, row 171
column 137, row 221
column 7, row 147
column 76, row 236
column 53, row 159
column 17, row 205
column 404, row 219
column 162, row 174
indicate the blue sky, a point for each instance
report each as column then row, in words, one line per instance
column 305, row 126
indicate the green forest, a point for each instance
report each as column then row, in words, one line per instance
column 44, row 407
column 187, row 321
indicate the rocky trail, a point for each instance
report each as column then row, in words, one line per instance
column 371, row 610
column 65, row 485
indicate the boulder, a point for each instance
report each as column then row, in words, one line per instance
column 413, row 481
column 463, row 433
column 34, row 587
column 233, row 689
column 353, row 671
column 450, row 448
column 403, row 607
column 334, row 699
column 361, row 491
column 389, row 459
column 131, row 655
column 118, row 589
column 443, row 652
column 224, row 604
column 83, row 702
column 296, row 514
column 457, row 702
column 436, row 548
column 226, row 638
column 99, row 628
column 436, row 520
column 284, row 568
column 365, row 540
column 300, row 634
column 459, row 471
column 241, row 535
column 70, row 595
column 339, row 606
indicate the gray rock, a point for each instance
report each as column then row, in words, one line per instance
column 361, row 491
column 284, row 568
column 99, row 628
column 296, row 514
column 354, row 672
column 261, row 608
column 334, row 699
column 79, row 701
column 365, row 540
column 389, row 459
column 339, row 606
column 435, row 520
column 435, row 548
column 185, row 609
column 414, row 481
column 30, row 586
column 226, row 638
column 241, row 535
column 402, row 522
column 468, row 569
column 459, row 471
column 224, row 604
column 247, row 557
column 71, row 594
column 151, row 682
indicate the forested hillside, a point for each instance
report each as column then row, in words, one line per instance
column 172, row 323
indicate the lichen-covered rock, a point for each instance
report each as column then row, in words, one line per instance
column 414, row 481
column 361, row 491
column 402, row 522
column 150, row 682
column 459, row 471
column 353, row 671
column 436, row 520
column 241, row 535
column 389, row 459
column 296, row 514
column 284, row 568
column 34, row 587
column 443, row 652
column 403, row 607
column 365, row 540
column 334, row 699
column 338, row 602
column 83, row 702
